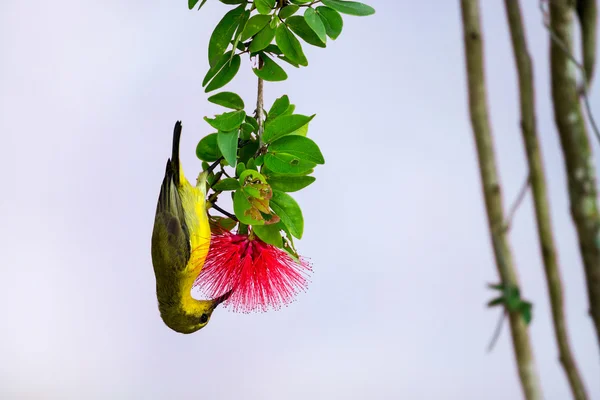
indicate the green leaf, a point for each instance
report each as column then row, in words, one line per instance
column 269, row 234
column 238, row 32
column 246, row 152
column 290, row 183
column 207, row 148
column 240, row 168
column 227, row 184
column 299, row 146
column 223, row 33
column 290, row 110
column 270, row 71
column 350, row 7
column 227, row 99
column 288, row 11
column 300, row 1
column 219, row 224
column 316, row 24
column 496, row 302
column 227, row 121
column 299, row 26
column 225, row 58
column 255, row 25
column 245, row 131
column 264, row 6
column 225, row 75
column 289, row 45
column 251, row 164
column 272, row 48
column 192, row 4
column 279, row 107
column 332, row 20
column 232, row 1
column 252, row 121
column 259, row 160
column 262, row 39
column 525, row 311
column 244, row 211
column 251, row 201
column 284, row 125
column 302, row 131
column 287, row 164
column 228, row 144
column 289, row 211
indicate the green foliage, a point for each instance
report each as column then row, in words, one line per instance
column 270, row 70
column 228, row 99
column 350, row 7
column 332, row 20
column 316, row 24
column 511, row 299
column 260, row 163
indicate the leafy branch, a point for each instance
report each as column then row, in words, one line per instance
column 277, row 156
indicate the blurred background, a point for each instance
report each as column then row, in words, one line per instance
column 395, row 223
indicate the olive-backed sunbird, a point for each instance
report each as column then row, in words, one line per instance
column 180, row 242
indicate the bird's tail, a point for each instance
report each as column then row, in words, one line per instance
column 175, row 154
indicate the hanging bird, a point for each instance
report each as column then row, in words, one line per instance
column 180, row 242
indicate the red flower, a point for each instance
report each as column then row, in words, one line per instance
column 261, row 276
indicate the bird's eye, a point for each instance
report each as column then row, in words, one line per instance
column 203, row 318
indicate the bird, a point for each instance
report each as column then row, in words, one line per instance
column 180, row 244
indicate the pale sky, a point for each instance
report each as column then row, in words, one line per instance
column 394, row 225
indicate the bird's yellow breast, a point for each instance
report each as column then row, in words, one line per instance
column 196, row 219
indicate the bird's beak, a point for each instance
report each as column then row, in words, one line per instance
column 220, row 299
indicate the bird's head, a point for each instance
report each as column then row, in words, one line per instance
column 195, row 316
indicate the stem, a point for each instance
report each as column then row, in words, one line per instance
column 577, row 153
column 542, row 208
column 260, row 106
column 491, row 191
column 219, row 209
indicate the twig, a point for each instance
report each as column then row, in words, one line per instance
column 497, row 331
column 491, row 191
column 513, row 209
column 575, row 143
column 227, row 214
column 537, row 180
column 583, row 90
column 260, row 105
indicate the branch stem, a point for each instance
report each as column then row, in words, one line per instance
column 537, row 179
column 575, row 143
column 478, row 108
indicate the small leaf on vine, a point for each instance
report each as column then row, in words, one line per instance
column 227, row 121
column 228, row 99
column 228, row 144
column 298, row 146
column 270, row 71
column 350, row 7
column 262, row 39
column 207, row 148
column 316, row 24
column 289, row 211
column 290, row 46
column 225, row 74
column 285, row 125
column 255, row 25
column 264, row 6
column 332, row 20
column 299, row 26
column 279, row 107
column 223, row 33
column 288, row 11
